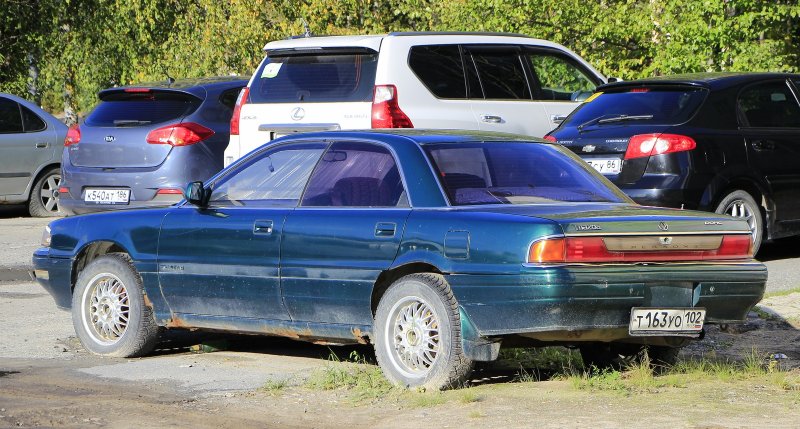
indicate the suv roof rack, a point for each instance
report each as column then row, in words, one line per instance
column 455, row 33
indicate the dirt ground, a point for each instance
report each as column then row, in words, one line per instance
column 48, row 380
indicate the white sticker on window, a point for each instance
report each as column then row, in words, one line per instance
column 271, row 70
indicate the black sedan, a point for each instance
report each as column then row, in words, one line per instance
column 721, row 142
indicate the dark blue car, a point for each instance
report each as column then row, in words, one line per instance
column 437, row 247
column 140, row 145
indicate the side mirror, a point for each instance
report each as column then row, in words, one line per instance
column 197, row 194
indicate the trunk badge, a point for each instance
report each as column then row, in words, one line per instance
column 589, row 148
column 663, row 226
column 298, row 113
column 109, row 139
column 590, row 227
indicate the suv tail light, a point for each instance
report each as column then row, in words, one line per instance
column 184, row 134
column 562, row 250
column 73, row 135
column 237, row 109
column 642, row 145
column 386, row 113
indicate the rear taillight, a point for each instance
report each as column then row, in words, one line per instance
column 386, row 112
column 593, row 249
column 237, row 110
column 183, row 134
column 169, row 191
column 73, row 135
column 549, row 138
column 642, row 145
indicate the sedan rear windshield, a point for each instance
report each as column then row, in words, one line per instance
column 338, row 77
column 517, row 173
column 136, row 109
column 662, row 106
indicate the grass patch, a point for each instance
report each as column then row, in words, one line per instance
column 765, row 315
column 274, row 387
column 355, row 374
column 468, row 396
column 427, row 400
column 475, row 414
column 782, row 292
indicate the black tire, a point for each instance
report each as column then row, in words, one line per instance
column 742, row 205
column 434, row 360
column 108, row 290
column 598, row 357
column 43, row 202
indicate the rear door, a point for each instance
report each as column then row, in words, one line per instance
column 770, row 123
column 301, row 90
column 25, row 144
column 346, row 231
column 115, row 133
column 500, row 93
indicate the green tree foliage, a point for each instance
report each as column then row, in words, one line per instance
column 61, row 52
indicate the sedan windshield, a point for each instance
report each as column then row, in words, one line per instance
column 517, row 173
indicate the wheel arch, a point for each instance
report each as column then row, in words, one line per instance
column 91, row 251
column 759, row 194
column 38, row 175
column 387, row 277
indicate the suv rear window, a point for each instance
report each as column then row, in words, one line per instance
column 135, row 109
column 666, row 106
column 323, row 78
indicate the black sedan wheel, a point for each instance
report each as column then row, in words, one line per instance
column 418, row 334
column 108, row 309
column 740, row 204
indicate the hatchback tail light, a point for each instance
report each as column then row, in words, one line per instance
column 642, row 145
column 183, row 134
column 73, row 135
column 549, row 138
column 562, row 250
column 386, row 112
column 237, row 110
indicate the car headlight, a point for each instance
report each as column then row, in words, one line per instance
column 46, row 236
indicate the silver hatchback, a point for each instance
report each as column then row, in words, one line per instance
column 30, row 156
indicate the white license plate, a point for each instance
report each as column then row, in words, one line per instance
column 106, row 196
column 606, row 166
column 676, row 321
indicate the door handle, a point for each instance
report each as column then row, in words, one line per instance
column 557, row 119
column 492, row 119
column 385, row 229
column 263, row 227
column 41, row 145
column 761, row 145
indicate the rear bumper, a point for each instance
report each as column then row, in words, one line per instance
column 70, row 206
column 591, row 303
column 54, row 275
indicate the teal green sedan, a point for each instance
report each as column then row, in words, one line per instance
column 437, row 247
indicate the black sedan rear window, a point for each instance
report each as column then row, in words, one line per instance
column 315, row 78
column 662, row 106
column 135, row 109
column 517, row 173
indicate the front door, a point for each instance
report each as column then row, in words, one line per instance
column 770, row 116
column 345, row 233
column 223, row 260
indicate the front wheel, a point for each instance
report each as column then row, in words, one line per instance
column 740, row 204
column 418, row 334
column 108, row 309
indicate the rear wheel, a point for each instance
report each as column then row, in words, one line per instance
column 741, row 204
column 43, row 201
column 418, row 334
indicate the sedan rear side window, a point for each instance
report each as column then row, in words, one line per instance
column 516, row 173
column 123, row 109
column 315, row 78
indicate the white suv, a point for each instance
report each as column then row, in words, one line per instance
column 476, row 81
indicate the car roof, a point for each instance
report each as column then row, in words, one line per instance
column 418, row 136
column 713, row 81
column 373, row 41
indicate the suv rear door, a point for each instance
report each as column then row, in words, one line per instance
column 115, row 133
column 299, row 90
